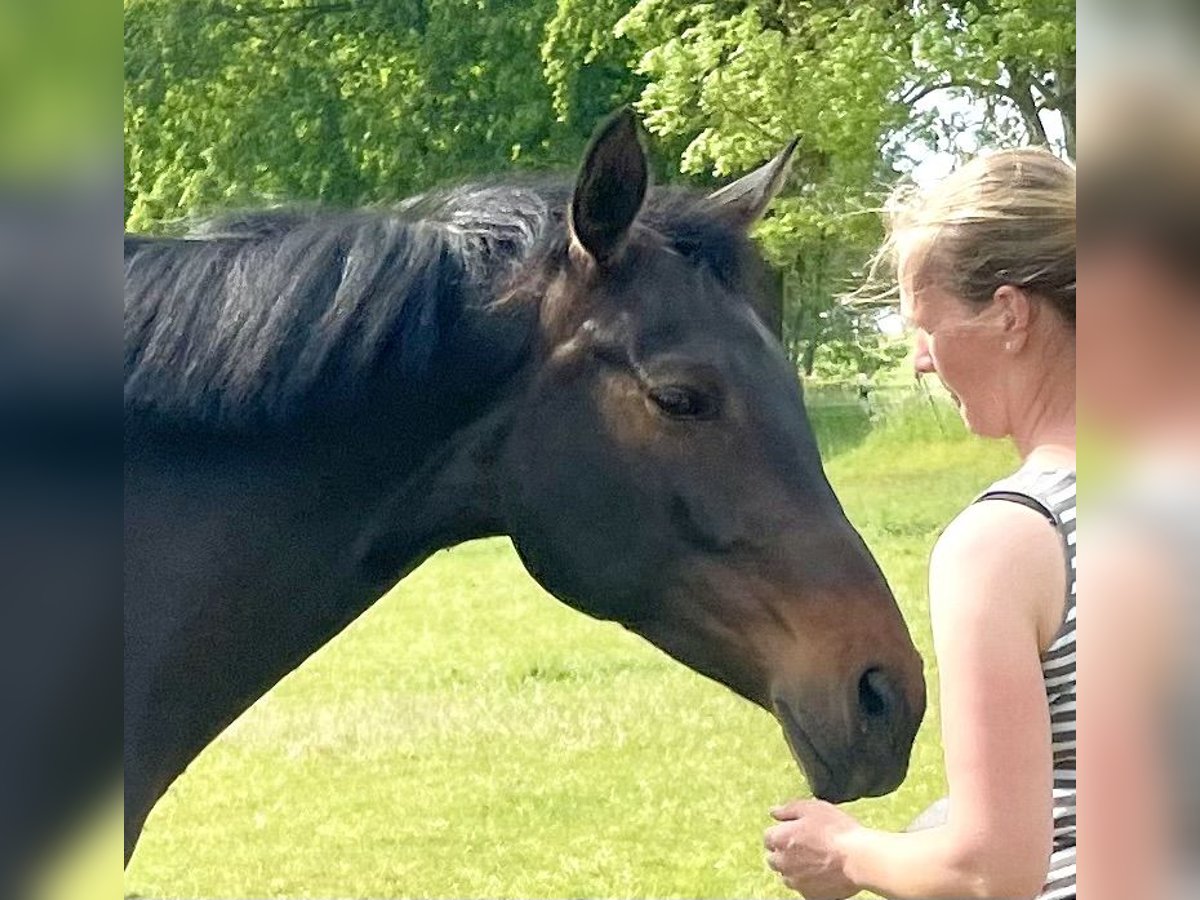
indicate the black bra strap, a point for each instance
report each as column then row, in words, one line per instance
column 1023, row 499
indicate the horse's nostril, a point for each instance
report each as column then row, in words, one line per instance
column 875, row 693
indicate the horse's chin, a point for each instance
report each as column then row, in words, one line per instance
column 822, row 778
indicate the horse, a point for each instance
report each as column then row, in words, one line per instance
column 316, row 401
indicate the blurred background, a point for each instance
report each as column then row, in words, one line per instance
column 1139, row 387
column 60, row 495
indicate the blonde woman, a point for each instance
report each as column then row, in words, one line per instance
column 986, row 267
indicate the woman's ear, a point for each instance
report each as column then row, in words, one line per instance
column 1015, row 310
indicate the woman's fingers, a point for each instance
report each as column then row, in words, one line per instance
column 788, row 811
column 777, row 837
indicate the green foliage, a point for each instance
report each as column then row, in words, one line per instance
column 856, row 346
column 233, row 102
column 732, row 80
column 1016, row 56
column 228, row 103
column 588, row 67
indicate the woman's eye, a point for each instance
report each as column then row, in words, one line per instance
column 681, row 402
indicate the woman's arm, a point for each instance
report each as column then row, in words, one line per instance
column 997, row 579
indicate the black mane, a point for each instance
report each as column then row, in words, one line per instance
column 259, row 318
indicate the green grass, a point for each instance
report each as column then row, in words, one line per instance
column 469, row 736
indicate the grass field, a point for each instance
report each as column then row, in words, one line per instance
column 471, row 737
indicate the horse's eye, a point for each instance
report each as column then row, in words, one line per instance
column 681, row 402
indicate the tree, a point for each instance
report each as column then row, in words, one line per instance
column 230, row 102
column 729, row 81
column 1017, row 57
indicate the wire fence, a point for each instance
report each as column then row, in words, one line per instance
column 844, row 413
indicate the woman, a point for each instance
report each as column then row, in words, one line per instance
column 986, row 267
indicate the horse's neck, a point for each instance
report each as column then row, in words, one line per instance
column 326, row 515
column 445, row 497
column 449, row 494
column 327, row 530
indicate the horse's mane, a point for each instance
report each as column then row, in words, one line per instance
column 257, row 318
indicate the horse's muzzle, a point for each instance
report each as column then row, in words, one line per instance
column 859, row 748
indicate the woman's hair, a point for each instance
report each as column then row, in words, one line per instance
column 1005, row 218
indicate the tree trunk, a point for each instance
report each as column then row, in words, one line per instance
column 818, row 287
column 1020, row 92
column 810, row 356
column 1066, row 105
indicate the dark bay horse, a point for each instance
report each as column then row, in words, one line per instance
column 316, row 402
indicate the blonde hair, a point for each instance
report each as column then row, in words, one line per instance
column 1005, row 218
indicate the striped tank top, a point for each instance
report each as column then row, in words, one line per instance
column 1052, row 494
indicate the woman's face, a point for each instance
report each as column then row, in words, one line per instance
column 963, row 346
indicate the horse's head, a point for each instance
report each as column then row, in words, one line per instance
column 662, row 472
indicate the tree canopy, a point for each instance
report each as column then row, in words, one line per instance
column 234, row 102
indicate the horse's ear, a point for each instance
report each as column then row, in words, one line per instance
column 744, row 201
column 610, row 188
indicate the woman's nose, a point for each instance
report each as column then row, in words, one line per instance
column 922, row 358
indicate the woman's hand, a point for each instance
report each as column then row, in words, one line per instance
column 806, row 849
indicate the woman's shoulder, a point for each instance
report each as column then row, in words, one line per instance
column 1006, row 555
column 996, row 560
column 997, row 533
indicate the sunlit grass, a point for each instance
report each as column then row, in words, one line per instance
column 469, row 736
